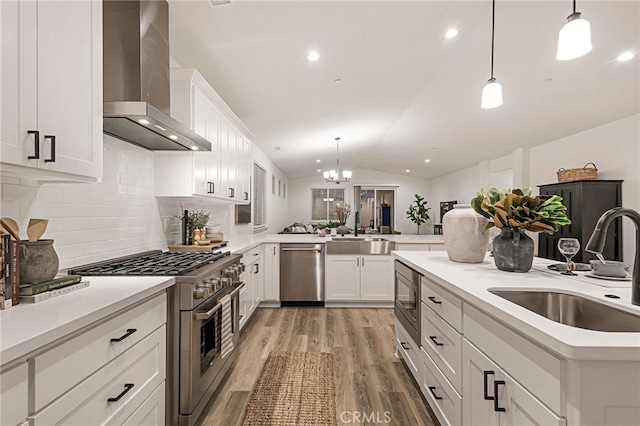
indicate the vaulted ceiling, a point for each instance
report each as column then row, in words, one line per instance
column 406, row 93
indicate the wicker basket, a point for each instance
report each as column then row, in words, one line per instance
column 584, row 173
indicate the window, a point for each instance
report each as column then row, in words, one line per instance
column 259, row 199
column 324, row 203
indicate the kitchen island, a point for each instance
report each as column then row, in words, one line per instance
column 485, row 360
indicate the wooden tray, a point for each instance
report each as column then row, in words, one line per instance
column 208, row 247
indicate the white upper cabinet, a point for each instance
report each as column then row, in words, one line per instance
column 51, row 82
column 219, row 173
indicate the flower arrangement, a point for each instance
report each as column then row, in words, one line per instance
column 343, row 213
column 199, row 219
column 518, row 209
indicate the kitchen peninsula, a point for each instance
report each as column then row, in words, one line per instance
column 483, row 359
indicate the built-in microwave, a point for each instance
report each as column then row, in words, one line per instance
column 407, row 299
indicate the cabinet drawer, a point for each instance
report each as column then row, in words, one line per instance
column 533, row 367
column 13, row 387
column 59, row 369
column 408, row 349
column 442, row 397
column 151, row 412
column 142, row 366
column 444, row 345
column 252, row 256
column 442, row 302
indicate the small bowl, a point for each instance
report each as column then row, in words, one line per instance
column 610, row 269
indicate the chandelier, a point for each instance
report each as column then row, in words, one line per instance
column 334, row 175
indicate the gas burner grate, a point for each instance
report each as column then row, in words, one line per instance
column 151, row 263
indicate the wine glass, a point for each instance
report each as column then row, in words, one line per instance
column 569, row 247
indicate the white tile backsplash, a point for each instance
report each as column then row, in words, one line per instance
column 120, row 216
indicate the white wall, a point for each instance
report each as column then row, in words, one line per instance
column 460, row 186
column 121, row 215
column 615, row 150
column 407, row 186
column 277, row 205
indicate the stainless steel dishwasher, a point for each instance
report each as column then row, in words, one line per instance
column 302, row 274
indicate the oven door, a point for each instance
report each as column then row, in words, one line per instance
column 407, row 299
column 200, row 352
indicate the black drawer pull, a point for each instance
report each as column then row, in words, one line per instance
column 405, row 346
column 51, row 159
column 246, row 196
column 433, row 299
column 496, row 407
column 210, row 187
column 127, row 388
column 129, row 332
column 433, row 339
column 486, row 382
column 36, row 145
column 432, row 389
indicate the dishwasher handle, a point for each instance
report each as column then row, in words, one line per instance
column 301, row 249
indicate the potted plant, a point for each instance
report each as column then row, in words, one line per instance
column 418, row 212
column 198, row 221
column 343, row 213
column 514, row 212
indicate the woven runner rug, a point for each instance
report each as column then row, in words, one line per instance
column 294, row 388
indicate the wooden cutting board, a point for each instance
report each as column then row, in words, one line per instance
column 208, row 247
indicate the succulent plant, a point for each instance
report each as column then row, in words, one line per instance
column 518, row 209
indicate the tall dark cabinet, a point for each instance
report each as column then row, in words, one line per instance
column 586, row 200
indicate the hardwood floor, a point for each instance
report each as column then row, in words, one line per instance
column 370, row 380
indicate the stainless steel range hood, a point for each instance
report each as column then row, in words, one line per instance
column 136, row 78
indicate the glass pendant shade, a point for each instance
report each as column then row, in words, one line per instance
column 492, row 94
column 334, row 175
column 574, row 39
column 346, row 174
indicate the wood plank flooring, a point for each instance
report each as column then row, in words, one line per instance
column 370, row 379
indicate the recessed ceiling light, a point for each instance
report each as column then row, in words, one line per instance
column 318, row 170
column 337, row 80
column 318, row 160
column 313, row 56
column 626, row 56
column 407, row 170
column 173, row 137
column 427, row 160
column 451, row 34
column 194, row 148
column 143, row 121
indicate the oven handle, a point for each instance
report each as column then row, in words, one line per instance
column 237, row 290
column 200, row 316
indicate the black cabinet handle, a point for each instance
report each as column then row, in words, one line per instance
column 232, row 192
column 433, row 299
column 210, row 187
column 496, row 407
column 256, row 268
column 405, row 346
column 486, row 382
column 129, row 332
column 432, row 389
column 433, row 339
column 51, row 159
column 36, row 145
column 127, row 388
column 246, row 196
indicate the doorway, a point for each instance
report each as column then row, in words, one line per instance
column 376, row 207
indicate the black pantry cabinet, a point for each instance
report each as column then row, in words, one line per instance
column 586, row 200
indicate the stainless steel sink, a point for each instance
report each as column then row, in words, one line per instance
column 573, row 310
column 354, row 245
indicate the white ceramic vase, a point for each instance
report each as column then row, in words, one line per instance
column 464, row 237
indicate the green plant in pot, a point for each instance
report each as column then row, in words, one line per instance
column 514, row 212
column 418, row 212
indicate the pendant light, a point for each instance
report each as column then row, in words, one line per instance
column 334, row 175
column 574, row 39
column 492, row 92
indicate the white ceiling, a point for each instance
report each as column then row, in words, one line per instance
column 407, row 93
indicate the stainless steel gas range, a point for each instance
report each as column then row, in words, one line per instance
column 202, row 320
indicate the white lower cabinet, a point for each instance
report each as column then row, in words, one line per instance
column 359, row 278
column 251, row 294
column 493, row 397
column 105, row 374
column 271, row 277
column 14, row 390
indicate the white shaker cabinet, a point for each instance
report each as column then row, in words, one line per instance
column 51, row 82
column 271, row 275
column 367, row 278
column 252, row 278
column 14, row 391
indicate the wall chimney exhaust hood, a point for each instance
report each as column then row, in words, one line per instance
column 136, row 78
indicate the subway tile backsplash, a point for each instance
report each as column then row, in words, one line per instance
column 120, row 216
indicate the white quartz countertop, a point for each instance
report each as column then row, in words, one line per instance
column 242, row 243
column 472, row 281
column 29, row 326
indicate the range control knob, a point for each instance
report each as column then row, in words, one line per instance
column 226, row 282
column 229, row 272
column 199, row 292
column 241, row 266
column 214, row 284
